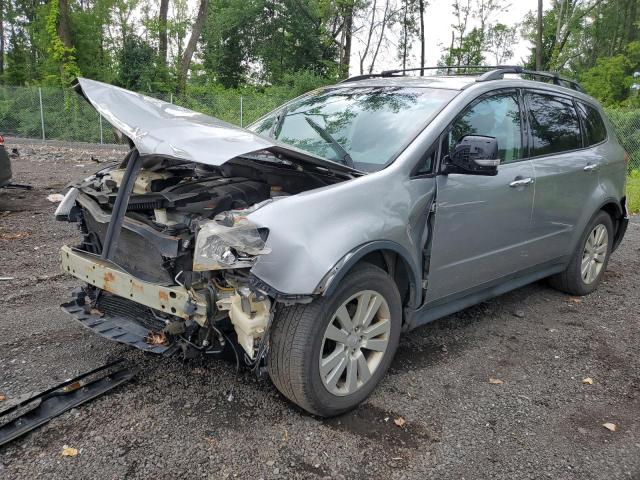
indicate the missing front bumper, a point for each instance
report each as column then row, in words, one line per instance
column 173, row 300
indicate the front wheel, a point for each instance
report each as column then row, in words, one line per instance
column 327, row 356
column 588, row 264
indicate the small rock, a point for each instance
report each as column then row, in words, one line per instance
column 270, row 463
column 518, row 313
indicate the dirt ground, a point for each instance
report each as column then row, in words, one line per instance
column 175, row 420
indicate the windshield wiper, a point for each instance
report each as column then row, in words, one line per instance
column 277, row 124
column 326, row 136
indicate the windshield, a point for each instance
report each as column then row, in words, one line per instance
column 363, row 126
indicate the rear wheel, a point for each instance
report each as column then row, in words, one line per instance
column 327, row 356
column 589, row 262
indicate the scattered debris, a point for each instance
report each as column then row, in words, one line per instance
column 575, row 299
column 495, row 381
column 587, row 381
column 95, row 311
column 2, row 397
column 6, row 279
column 399, row 421
column 519, row 314
column 154, row 338
column 69, row 451
column 55, row 197
column 270, row 463
column 612, row 427
column 14, row 235
column 14, row 153
column 59, row 399
column 72, row 387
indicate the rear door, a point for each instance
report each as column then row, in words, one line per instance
column 482, row 223
column 566, row 173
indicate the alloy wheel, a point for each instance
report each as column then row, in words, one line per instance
column 354, row 342
column 594, row 254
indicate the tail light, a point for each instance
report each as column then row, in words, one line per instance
column 1, row 139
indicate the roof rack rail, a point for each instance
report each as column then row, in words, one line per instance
column 494, row 72
column 402, row 71
column 500, row 72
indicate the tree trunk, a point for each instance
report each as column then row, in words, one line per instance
column 405, row 34
column 364, row 54
column 539, row 38
column 385, row 18
column 347, row 35
column 64, row 31
column 450, row 59
column 422, row 52
column 162, row 31
column 192, row 43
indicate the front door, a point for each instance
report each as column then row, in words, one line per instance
column 482, row 223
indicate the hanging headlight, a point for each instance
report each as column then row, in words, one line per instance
column 220, row 246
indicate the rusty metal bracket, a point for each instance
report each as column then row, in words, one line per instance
column 96, row 271
column 59, row 399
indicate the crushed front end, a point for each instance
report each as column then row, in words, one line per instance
column 167, row 249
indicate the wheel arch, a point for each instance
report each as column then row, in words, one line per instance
column 391, row 257
column 617, row 211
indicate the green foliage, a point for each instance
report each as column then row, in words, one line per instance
column 60, row 54
column 137, row 65
column 633, row 192
column 611, row 78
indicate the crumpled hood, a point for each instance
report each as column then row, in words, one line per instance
column 163, row 129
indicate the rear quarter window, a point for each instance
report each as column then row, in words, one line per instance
column 555, row 127
column 594, row 129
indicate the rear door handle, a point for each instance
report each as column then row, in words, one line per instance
column 521, row 182
column 592, row 167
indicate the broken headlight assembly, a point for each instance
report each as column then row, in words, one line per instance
column 220, row 246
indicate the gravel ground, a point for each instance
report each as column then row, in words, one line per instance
column 174, row 419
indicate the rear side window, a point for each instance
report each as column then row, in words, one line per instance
column 594, row 129
column 555, row 127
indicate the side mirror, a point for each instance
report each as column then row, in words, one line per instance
column 473, row 155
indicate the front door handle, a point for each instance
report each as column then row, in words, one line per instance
column 592, row 167
column 521, row 182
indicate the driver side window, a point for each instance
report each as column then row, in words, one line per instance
column 495, row 116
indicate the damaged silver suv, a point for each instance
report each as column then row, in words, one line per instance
column 308, row 242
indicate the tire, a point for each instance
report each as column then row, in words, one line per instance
column 572, row 281
column 299, row 337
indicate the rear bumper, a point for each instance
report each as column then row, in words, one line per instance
column 102, row 274
column 622, row 229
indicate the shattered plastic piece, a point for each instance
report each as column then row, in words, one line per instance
column 399, row 421
column 2, row 397
column 55, row 197
column 587, row 381
column 495, row 381
column 612, row 427
column 69, row 451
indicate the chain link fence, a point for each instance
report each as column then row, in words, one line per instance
column 60, row 114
